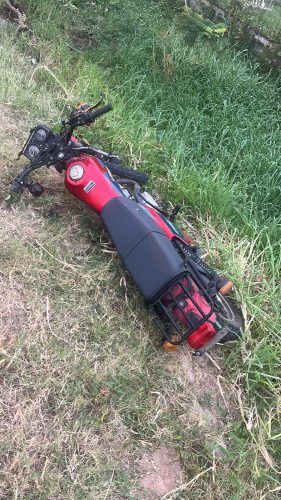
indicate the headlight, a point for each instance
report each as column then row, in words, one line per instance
column 76, row 172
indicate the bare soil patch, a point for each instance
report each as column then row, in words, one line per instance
column 81, row 39
column 161, row 472
column 208, row 398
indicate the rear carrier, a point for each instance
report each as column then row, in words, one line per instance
column 184, row 310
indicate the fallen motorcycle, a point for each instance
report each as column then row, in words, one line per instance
column 186, row 297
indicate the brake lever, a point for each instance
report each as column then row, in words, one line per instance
column 84, row 107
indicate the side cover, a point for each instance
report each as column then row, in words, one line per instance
column 146, row 251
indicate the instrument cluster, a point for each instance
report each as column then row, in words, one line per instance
column 36, row 143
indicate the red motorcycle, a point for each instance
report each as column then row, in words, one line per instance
column 187, row 298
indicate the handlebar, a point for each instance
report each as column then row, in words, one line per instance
column 88, row 117
column 92, row 115
column 18, row 183
column 77, row 119
column 16, row 186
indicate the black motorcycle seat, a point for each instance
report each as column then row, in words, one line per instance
column 144, row 248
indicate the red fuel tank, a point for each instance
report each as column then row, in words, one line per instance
column 90, row 182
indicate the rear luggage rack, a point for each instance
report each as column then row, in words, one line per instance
column 172, row 328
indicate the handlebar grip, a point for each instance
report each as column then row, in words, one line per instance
column 16, row 186
column 91, row 116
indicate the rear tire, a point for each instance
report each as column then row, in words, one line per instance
column 231, row 318
column 128, row 173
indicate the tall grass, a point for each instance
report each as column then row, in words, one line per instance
column 205, row 123
column 207, row 118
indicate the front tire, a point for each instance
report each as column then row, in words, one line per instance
column 127, row 173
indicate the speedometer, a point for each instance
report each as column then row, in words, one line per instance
column 40, row 135
column 37, row 142
column 32, row 152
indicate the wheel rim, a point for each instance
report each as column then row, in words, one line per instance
column 226, row 313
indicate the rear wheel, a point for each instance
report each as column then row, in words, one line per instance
column 230, row 317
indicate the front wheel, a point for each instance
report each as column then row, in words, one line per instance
column 128, row 173
column 230, row 317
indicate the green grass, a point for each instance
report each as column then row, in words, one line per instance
column 205, row 124
column 219, row 119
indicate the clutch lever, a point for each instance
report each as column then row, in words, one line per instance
column 100, row 101
column 84, row 107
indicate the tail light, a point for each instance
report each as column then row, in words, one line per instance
column 185, row 312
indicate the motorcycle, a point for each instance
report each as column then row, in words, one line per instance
column 186, row 297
